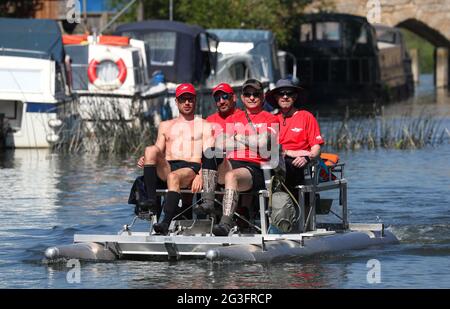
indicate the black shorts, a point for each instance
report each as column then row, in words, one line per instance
column 177, row 164
column 294, row 175
column 255, row 170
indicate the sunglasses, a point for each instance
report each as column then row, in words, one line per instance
column 288, row 94
column 249, row 94
column 182, row 100
column 224, row 96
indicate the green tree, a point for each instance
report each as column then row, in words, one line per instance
column 280, row 16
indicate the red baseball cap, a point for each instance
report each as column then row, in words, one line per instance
column 223, row 87
column 185, row 88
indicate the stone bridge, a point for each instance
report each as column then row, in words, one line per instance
column 429, row 19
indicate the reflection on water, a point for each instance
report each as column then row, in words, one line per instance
column 45, row 198
column 427, row 100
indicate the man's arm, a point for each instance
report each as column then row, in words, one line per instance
column 161, row 137
column 301, row 161
column 315, row 152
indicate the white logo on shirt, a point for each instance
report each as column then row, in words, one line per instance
column 259, row 125
column 296, row 130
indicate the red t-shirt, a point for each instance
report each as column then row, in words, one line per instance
column 219, row 123
column 262, row 122
column 300, row 131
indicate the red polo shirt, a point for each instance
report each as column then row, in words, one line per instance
column 219, row 123
column 262, row 122
column 300, row 131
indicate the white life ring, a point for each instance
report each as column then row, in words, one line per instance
column 107, row 85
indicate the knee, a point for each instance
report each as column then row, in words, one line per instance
column 173, row 179
column 151, row 152
column 230, row 177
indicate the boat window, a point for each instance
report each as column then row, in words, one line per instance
column 362, row 36
column 162, row 47
column 306, row 33
column 213, row 43
column 328, row 31
column 276, row 64
column 204, row 44
column 239, row 71
column 385, row 36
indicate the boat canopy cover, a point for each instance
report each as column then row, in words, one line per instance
column 34, row 38
column 264, row 45
column 182, row 52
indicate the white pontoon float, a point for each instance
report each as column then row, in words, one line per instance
column 194, row 238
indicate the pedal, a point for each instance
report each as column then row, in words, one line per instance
column 233, row 230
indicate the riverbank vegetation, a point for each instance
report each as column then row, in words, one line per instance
column 100, row 136
column 404, row 132
column 123, row 137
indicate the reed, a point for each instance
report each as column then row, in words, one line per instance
column 404, row 132
column 105, row 126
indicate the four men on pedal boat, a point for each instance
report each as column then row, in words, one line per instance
column 230, row 150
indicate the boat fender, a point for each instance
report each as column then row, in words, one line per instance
column 107, row 85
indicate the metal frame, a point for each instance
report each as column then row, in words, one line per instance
column 313, row 186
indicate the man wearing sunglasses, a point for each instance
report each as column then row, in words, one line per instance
column 299, row 135
column 241, row 171
column 225, row 100
column 176, row 156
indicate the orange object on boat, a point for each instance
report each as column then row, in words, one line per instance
column 70, row 39
column 114, row 40
column 330, row 159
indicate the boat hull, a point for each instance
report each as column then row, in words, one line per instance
column 251, row 248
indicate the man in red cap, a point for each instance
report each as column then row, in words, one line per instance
column 176, row 156
column 225, row 99
column 253, row 131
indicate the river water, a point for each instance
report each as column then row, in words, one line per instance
column 45, row 198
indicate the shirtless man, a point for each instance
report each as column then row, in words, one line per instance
column 176, row 156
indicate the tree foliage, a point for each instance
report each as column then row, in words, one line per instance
column 280, row 16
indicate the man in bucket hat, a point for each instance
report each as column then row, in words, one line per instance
column 300, row 135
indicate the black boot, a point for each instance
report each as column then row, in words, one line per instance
column 170, row 208
column 207, row 207
column 161, row 228
column 224, row 227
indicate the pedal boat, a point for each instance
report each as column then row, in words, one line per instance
column 194, row 238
